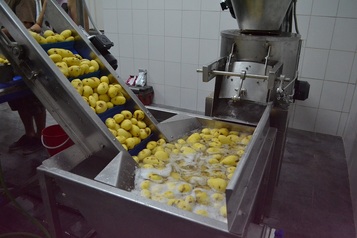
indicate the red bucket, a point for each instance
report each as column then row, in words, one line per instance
column 55, row 139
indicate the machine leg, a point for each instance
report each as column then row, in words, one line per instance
column 279, row 120
column 49, row 201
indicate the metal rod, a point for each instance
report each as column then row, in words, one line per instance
column 266, row 60
column 225, row 73
column 292, row 81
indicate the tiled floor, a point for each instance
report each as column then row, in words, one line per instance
column 312, row 199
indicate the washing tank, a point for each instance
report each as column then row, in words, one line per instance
column 113, row 209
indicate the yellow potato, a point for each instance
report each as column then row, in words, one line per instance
column 56, row 58
column 150, row 160
column 71, row 38
column 144, row 153
column 122, row 132
column 230, row 160
column 151, row 145
column 143, row 135
column 184, row 188
column 100, row 107
column 110, row 123
column 126, row 124
column 202, row 197
column 155, row 178
column 118, row 100
column 183, row 205
column 72, row 60
column 217, row 184
column 74, row 71
column 145, row 193
column 135, row 130
column 51, row 39
column 95, row 65
column 130, row 143
column 120, row 138
column 118, row 117
column 127, row 114
column 66, row 33
column 102, row 88
column 194, row 138
column 139, row 114
column 223, row 211
column 145, row 184
column 162, row 155
column 202, row 212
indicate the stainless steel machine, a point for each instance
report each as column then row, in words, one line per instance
column 254, row 82
column 258, row 65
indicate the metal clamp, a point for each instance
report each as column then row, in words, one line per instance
column 280, row 89
column 240, row 91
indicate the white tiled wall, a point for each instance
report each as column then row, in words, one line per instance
column 172, row 38
column 329, row 29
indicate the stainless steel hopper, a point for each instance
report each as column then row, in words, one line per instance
column 260, row 15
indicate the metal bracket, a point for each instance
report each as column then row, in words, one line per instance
column 207, row 70
column 240, row 91
column 16, row 53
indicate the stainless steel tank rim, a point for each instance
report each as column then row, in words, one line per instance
column 233, row 33
column 134, row 197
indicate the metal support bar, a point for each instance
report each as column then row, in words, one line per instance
column 49, row 201
column 225, row 73
column 266, row 60
column 207, row 69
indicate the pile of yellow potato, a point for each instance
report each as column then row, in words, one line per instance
column 191, row 173
column 4, row 61
column 101, row 93
column 50, row 36
column 128, row 127
column 70, row 64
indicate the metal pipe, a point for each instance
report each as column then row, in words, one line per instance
column 266, row 60
column 225, row 73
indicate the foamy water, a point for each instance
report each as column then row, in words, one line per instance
column 181, row 179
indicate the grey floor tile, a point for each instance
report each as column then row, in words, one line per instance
column 313, row 197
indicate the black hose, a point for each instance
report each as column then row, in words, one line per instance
column 295, row 18
column 22, row 211
column 19, row 234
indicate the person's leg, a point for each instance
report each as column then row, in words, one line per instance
column 40, row 121
column 26, row 139
column 38, row 112
column 27, row 120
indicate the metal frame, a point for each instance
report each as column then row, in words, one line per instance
column 120, row 210
column 80, row 172
column 54, row 90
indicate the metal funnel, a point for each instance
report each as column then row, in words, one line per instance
column 260, row 15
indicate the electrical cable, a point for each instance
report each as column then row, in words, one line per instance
column 90, row 18
column 295, row 18
column 22, row 211
column 18, row 234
